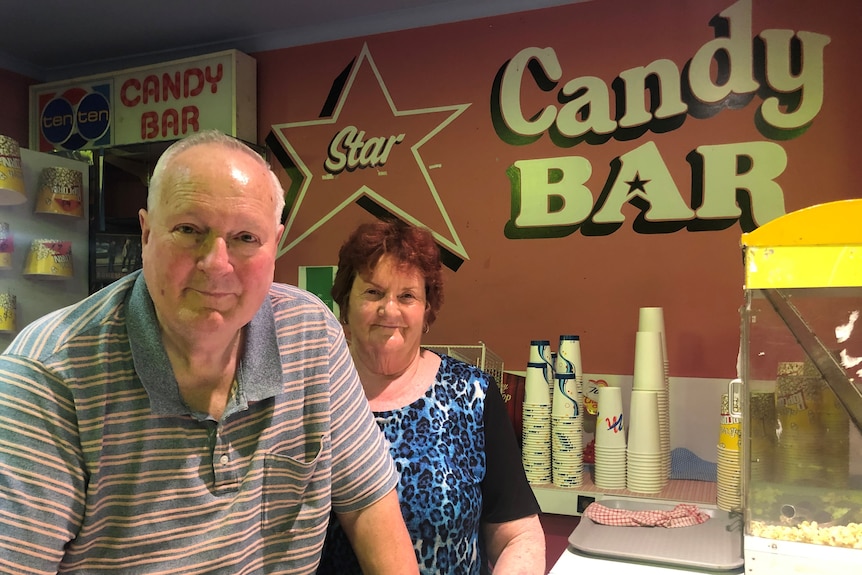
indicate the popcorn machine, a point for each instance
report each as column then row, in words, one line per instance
column 801, row 392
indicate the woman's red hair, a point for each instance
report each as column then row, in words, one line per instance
column 410, row 246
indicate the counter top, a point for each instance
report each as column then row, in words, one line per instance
column 574, row 563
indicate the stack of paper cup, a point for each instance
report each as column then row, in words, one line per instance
column 567, row 447
column 649, row 376
column 651, row 319
column 536, row 425
column 610, row 448
column 645, row 470
column 729, row 487
column 568, row 362
column 540, row 352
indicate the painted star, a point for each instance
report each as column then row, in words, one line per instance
column 363, row 150
column 637, row 183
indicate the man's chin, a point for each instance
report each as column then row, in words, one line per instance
column 205, row 319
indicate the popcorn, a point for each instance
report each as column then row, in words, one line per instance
column 849, row 535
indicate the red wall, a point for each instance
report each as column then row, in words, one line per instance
column 586, row 280
column 459, row 175
column 14, row 110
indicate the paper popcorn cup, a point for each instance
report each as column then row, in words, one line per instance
column 61, row 191
column 7, row 312
column 49, row 259
column 7, row 246
column 12, row 189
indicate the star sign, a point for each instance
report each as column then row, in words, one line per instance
column 362, row 149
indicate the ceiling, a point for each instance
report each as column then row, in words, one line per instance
column 51, row 40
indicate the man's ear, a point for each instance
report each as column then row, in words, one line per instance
column 143, row 219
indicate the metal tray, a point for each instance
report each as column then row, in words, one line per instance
column 712, row 546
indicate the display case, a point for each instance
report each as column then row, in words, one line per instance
column 801, row 400
column 45, row 267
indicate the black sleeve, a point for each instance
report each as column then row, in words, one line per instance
column 506, row 495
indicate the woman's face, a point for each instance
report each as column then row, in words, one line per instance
column 385, row 317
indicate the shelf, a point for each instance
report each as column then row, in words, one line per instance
column 573, row 500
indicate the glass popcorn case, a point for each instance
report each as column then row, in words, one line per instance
column 801, row 392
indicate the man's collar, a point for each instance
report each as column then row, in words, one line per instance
column 259, row 372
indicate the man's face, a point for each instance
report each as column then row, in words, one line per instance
column 209, row 245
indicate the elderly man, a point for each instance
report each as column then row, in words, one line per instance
column 193, row 417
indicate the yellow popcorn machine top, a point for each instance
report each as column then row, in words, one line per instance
column 801, row 392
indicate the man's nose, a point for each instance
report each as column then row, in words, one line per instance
column 214, row 255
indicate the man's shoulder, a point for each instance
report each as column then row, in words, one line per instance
column 286, row 290
column 286, row 294
column 100, row 311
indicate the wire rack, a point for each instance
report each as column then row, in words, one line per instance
column 479, row 355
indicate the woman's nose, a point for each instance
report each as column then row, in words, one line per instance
column 386, row 304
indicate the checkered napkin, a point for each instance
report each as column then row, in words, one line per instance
column 680, row 516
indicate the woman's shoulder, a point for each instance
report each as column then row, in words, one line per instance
column 462, row 370
column 461, row 383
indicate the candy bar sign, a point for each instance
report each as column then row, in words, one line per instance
column 550, row 197
column 151, row 103
column 172, row 102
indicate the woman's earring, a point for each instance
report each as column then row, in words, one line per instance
column 426, row 328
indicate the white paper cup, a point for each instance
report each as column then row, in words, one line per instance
column 610, row 430
column 536, row 386
column 649, row 366
column 569, row 355
column 643, row 423
column 651, row 319
column 565, row 401
column 540, row 350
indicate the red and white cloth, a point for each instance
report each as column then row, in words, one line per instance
column 683, row 515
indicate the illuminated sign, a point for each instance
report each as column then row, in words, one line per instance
column 151, row 103
column 78, row 117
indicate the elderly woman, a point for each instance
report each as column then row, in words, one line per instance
column 463, row 492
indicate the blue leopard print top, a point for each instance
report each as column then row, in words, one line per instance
column 438, row 444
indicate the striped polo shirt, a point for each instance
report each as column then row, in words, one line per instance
column 104, row 469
